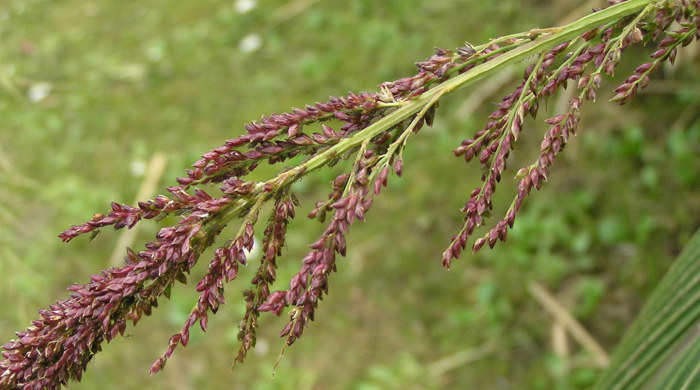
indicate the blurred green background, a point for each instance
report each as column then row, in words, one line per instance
column 90, row 90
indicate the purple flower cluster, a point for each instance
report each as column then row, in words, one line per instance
column 222, row 269
column 60, row 344
column 598, row 53
column 666, row 51
column 58, row 347
column 279, row 137
column 265, row 276
column 445, row 63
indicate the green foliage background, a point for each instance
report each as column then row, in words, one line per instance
column 126, row 79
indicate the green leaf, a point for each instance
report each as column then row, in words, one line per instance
column 661, row 349
column 685, row 374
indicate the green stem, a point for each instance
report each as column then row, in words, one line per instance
column 555, row 36
column 546, row 42
column 400, row 141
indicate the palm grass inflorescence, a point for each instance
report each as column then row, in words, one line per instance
column 368, row 129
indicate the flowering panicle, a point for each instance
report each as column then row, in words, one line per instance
column 597, row 52
column 348, row 204
column 266, row 274
column 373, row 127
column 282, row 136
column 445, row 64
column 223, row 268
column 667, row 50
column 61, row 343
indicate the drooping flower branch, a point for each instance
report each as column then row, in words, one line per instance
column 371, row 130
column 581, row 61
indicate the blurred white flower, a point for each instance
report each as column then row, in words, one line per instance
column 138, row 168
column 38, row 92
column 243, row 6
column 250, row 43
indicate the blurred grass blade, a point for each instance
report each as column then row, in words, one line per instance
column 685, row 374
column 661, row 349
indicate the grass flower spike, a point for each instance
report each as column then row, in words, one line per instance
column 366, row 133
